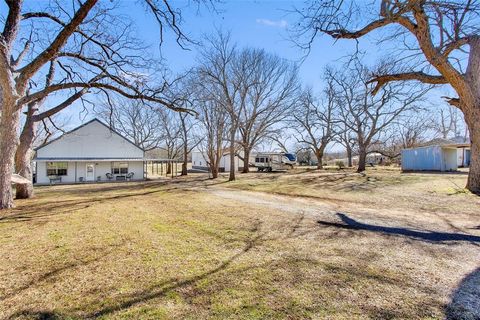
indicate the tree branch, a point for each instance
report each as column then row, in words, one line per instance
column 381, row 80
column 30, row 69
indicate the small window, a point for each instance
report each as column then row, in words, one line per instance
column 120, row 167
column 257, row 159
column 57, row 168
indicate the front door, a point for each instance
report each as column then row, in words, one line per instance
column 90, row 172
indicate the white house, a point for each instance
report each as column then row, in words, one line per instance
column 92, row 152
column 199, row 161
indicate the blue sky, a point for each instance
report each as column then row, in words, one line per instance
column 254, row 23
column 260, row 24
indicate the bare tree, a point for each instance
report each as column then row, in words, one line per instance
column 185, row 94
column 408, row 131
column 134, row 119
column 188, row 137
column 314, row 121
column 77, row 40
column 171, row 134
column 271, row 87
column 28, row 136
column 347, row 138
column 366, row 115
column 213, row 119
column 441, row 38
column 222, row 67
column 449, row 123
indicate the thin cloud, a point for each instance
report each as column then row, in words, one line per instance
column 273, row 23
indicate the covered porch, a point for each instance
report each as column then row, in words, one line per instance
column 82, row 170
column 49, row 171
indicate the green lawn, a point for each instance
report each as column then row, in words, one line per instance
column 299, row 246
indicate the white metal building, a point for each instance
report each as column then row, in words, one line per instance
column 92, row 152
column 199, row 161
column 430, row 158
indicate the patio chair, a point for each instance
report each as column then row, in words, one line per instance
column 109, row 175
column 129, row 176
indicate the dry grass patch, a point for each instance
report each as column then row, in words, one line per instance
column 160, row 250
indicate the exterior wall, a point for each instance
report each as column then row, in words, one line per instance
column 449, row 157
column 432, row 158
column 42, row 177
column 463, row 157
column 199, row 162
column 101, row 168
column 428, row 158
column 94, row 140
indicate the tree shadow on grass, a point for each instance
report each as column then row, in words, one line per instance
column 465, row 300
column 155, row 291
column 105, row 253
column 430, row 236
column 31, row 212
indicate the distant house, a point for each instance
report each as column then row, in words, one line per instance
column 373, row 158
column 437, row 155
column 92, row 152
column 199, row 161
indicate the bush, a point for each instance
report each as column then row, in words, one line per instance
column 340, row 164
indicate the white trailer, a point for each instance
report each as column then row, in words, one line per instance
column 275, row 161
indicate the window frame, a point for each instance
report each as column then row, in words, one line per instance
column 60, row 168
column 119, row 167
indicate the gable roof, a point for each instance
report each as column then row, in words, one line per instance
column 86, row 124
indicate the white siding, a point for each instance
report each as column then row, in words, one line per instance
column 463, row 157
column 94, row 140
column 76, row 170
column 199, row 161
column 42, row 177
column 433, row 158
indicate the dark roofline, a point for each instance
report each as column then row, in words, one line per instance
column 85, row 124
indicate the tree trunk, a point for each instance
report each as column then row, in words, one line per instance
column 362, row 159
column 8, row 143
column 349, row 157
column 185, row 160
column 473, row 182
column 23, row 158
column 214, row 171
column 319, row 155
column 232, row 155
column 246, row 157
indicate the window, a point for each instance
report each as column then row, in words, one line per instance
column 57, row 168
column 119, row 167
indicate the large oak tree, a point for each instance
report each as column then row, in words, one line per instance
column 441, row 39
column 81, row 41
